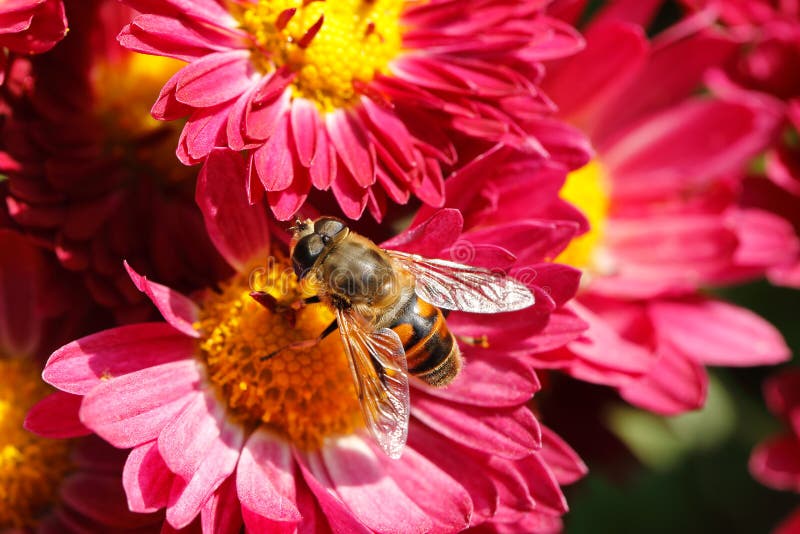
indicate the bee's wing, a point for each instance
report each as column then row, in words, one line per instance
column 455, row 286
column 378, row 363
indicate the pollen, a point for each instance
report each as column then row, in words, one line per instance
column 30, row 466
column 330, row 47
column 587, row 189
column 305, row 395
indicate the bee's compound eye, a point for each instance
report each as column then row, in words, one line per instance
column 305, row 254
column 328, row 227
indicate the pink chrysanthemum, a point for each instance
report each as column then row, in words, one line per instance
column 776, row 462
column 90, row 175
column 47, row 485
column 361, row 97
column 765, row 67
column 277, row 444
column 665, row 214
column 31, row 26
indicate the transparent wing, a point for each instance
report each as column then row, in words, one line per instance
column 454, row 286
column 378, row 364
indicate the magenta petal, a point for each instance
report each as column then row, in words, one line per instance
column 221, row 514
column 430, row 237
column 357, row 477
column 349, row 137
column 239, row 230
column 776, row 463
column 214, row 79
column 542, row 484
column 782, row 393
column 178, row 310
column 188, row 497
column 286, row 203
column 337, row 514
column 21, row 269
column 507, row 432
column 265, row 479
column 147, row 479
column 305, row 123
column 79, row 366
column 674, row 385
column 491, row 382
column 56, row 416
column 564, row 462
column 717, row 333
column 323, row 167
column 204, row 130
column 132, row 409
column 351, row 197
column 445, row 501
column 275, row 159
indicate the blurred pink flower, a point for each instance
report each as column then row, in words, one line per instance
column 276, row 444
column 90, row 175
column 663, row 208
column 365, row 105
column 766, row 68
column 776, row 462
column 31, row 26
column 47, row 484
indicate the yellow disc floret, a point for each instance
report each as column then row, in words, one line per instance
column 587, row 189
column 305, row 395
column 30, row 467
column 330, row 46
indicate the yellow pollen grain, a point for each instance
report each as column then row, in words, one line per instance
column 356, row 40
column 305, row 395
column 587, row 189
column 30, row 467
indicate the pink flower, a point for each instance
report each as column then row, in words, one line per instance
column 31, row 26
column 765, row 68
column 91, row 176
column 48, row 485
column 776, row 462
column 664, row 215
column 366, row 105
column 275, row 445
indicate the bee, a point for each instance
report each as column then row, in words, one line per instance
column 388, row 310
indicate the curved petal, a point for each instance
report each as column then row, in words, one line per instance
column 221, row 514
column 147, row 479
column 178, row 310
column 239, row 230
column 430, row 237
column 56, row 416
column 214, row 78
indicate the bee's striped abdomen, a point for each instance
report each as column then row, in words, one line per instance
column 431, row 350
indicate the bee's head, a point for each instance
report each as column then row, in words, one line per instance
column 312, row 239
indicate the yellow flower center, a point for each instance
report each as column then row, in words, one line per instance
column 587, row 189
column 331, row 46
column 30, row 467
column 125, row 88
column 305, row 395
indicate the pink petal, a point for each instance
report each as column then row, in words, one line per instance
column 79, row 366
column 178, row 310
column 564, row 462
column 166, row 107
column 490, row 382
column 337, row 514
column 261, row 118
column 674, row 385
column 323, row 168
column 286, row 203
column 265, row 480
column 56, row 416
column 531, row 241
column 717, row 333
column 542, row 484
column 100, row 498
column 507, row 432
column 168, row 36
column 147, row 479
column 305, row 123
column 348, row 136
column 214, row 79
column 776, row 463
column 204, row 131
column 132, row 409
column 221, row 514
column 355, row 474
column 351, row 197
column 391, row 132
column 239, row 230
column 441, row 497
column 430, row 237
column 275, row 159
column 462, row 467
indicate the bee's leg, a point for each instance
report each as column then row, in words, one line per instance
column 480, row 341
column 266, row 300
column 306, row 343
